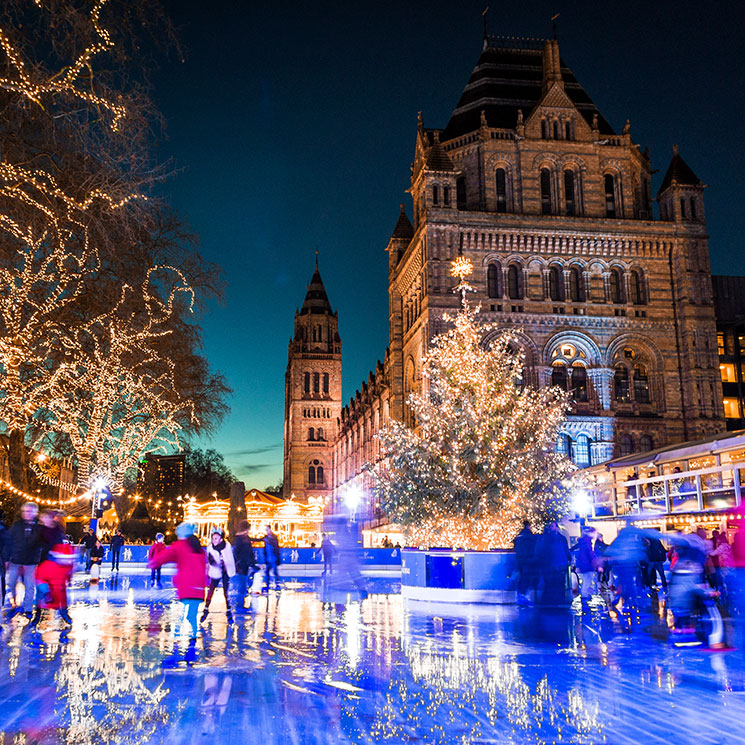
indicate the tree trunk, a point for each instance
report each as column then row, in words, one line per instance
column 18, row 461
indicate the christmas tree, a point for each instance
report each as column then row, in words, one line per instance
column 480, row 457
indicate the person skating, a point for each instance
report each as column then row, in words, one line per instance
column 96, row 560
column 25, row 551
column 272, row 557
column 328, row 551
column 220, row 567
column 154, row 550
column 587, row 564
column 552, row 558
column 524, row 545
column 656, row 555
column 116, row 545
column 87, row 542
column 188, row 556
column 245, row 564
column 52, row 578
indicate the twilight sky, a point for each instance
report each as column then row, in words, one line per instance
column 294, row 126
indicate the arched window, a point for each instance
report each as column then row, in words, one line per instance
column 544, row 129
column 555, row 284
column 325, row 382
column 646, row 443
column 494, row 280
column 616, row 285
column 564, row 445
column 501, row 190
column 319, row 433
column 581, row 454
column 446, row 195
column 621, row 384
column 306, row 382
column 576, row 285
column 319, row 475
column 610, row 195
column 435, row 194
column 311, row 434
column 627, row 445
column 641, row 385
column 568, row 131
column 311, row 474
column 514, row 282
column 460, row 192
column 559, row 376
column 556, row 130
column 569, row 199
column 579, row 383
column 316, row 382
column 545, row 191
column 637, row 288
column 693, row 208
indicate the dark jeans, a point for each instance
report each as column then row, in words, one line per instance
column 526, row 579
column 155, row 576
column 214, row 582
column 555, row 586
column 653, row 569
column 115, row 559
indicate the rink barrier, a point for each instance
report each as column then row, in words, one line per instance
column 458, row 576
column 301, row 558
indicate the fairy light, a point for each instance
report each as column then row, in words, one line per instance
column 481, row 458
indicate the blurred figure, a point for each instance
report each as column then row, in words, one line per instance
column 524, row 546
column 737, row 576
column 25, row 551
column 116, row 545
column 88, row 541
column 724, row 567
column 328, row 551
column 245, row 564
column 656, row 555
column 587, row 565
column 188, row 555
column 154, row 550
column 52, row 577
column 272, row 557
column 50, row 532
column 626, row 552
column 552, row 559
column 220, row 567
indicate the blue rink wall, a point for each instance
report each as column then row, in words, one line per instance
column 301, row 557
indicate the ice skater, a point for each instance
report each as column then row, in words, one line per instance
column 52, row 577
column 220, row 567
column 188, row 556
column 155, row 549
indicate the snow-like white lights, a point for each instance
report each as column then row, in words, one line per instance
column 581, row 502
column 353, row 497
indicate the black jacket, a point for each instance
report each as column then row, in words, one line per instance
column 525, row 542
column 117, row 542
column 25, row 542
column 243, row 553
column 97, row 554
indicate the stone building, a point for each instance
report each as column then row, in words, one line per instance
column 553, row 207
column 312, row 396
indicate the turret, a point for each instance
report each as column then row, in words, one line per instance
column 681, row 195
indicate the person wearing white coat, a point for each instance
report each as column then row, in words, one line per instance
column 220, row 567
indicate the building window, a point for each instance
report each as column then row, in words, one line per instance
column 579, row 383
column 446, row 195
column 494, row 280
column 610, row 195
column 621, row 384
column 555, row 283
column 571, row 207
column 559, row 376
column 646, row 443
column 641, row 385
column 556, row 130
column 731, row 408
column 616, row 285
column 435, row 194
column 545, row 191
column 501, row 190
column 544, row 129
column 693, row 208
column 720, row 344
column 576, row 285
column 637, row 288
column 319, row 475
column 319, row 434
column 568, row 131
column 727, row 372
column 460, row 192
column 627, row 445
column 306, row 383
column 683, row 208
column 514, row 282
column 581, row 454
column 316, row 382
column 311, row 474
column 564, row 444
column 326, row 383
column 311, row 434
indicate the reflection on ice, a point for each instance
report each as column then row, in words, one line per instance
column 308, row 666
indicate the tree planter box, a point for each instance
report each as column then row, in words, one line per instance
column 443, row 575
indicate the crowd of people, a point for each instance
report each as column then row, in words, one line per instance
column 695, row 573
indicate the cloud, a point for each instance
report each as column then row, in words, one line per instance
column 249, row 469
column 253, row 451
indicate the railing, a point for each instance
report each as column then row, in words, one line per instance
column 705, row 489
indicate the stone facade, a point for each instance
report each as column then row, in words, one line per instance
column 553, row 208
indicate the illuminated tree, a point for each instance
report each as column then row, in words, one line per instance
column 481, row 458
column 99, row 355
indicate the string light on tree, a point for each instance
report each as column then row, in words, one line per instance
column 481, row 458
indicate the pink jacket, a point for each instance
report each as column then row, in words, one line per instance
column 190, row 569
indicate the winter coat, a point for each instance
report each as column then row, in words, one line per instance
column 243, row 554
column 155, row 549
column 117, row 542
column 220, row 561
column 190, row 576
column 96, row 555
column 25, row 543
column 655, row 550
column 585, row 559
column 271, row 550
column 552, row 551
column 56, row 576
column 88, row 541
column 525, row 547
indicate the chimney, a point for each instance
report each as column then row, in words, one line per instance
column 551, row 65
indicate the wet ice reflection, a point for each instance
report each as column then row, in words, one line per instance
column 304, row 666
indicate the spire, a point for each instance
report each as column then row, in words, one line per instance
column 551, row 64
column 437, row 159
column 679, row 173
column 404, row 228
column 316, row 299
